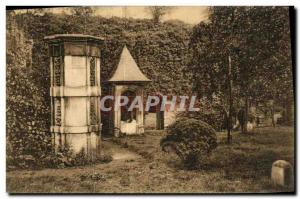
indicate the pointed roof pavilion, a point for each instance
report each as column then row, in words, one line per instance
column 127, row 70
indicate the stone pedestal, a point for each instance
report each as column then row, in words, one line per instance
column 75, row 92
column 282, row 173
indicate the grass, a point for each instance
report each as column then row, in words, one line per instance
column 242, row 167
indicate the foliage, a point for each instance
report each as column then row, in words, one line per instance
column 211, row 111
column 192, row 140
column 27, row 111
column 257, row 40
column 241, row 167
column 85, row 11
column 160, row 50
column 158, row 12
column 66, row 158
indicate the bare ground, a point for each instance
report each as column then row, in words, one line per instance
column 139, row 166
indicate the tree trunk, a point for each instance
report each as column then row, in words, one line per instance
column 229, row 126
column 273, row 112
column 246, row 114
column 285, row 111
column 288, row 110
column 159, row 120
column 272, row 115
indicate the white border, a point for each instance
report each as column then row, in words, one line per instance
column 153, row 2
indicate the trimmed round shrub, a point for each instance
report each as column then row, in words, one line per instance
column 192, row 140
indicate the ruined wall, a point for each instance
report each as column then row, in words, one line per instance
column 26, row 110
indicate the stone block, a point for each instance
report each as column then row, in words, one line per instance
column 282, row 173
column 75, row 91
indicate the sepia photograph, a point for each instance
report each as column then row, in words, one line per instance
column 150, row 100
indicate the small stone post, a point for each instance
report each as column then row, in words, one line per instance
column 282, row 173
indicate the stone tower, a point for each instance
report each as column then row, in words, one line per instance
column 75, row 91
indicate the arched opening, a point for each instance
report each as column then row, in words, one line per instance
column 129, row 117
column 126, row 114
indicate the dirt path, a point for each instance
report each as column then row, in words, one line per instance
column 119, row 153
column 103, row 178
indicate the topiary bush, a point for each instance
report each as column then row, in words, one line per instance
column 65, row 157
column 192, row 140
column 160, row 50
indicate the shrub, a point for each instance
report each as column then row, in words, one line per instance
column 211, row 112
column 27, row 103
column 66, row 158
column 192, row 140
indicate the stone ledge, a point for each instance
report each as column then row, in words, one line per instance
column 74, row 129
column 62, row 91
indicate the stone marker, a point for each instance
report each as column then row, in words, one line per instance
column 282, row 173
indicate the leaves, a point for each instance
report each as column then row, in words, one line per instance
column 27, row 110
column 254, row 37
column 191, row 139
column 160, row 51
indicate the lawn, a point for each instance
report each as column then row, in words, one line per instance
column 139, row 166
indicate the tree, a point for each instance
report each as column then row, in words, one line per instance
column 192, row 140
column 157, row 12
column 254, row 38
column 85, row 11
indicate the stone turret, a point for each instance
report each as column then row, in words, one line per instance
column 128, row 78
column 75, row 91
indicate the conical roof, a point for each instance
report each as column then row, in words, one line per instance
column 128, row 70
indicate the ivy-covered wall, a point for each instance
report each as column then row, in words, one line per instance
column 27, row 108
column 160, row 50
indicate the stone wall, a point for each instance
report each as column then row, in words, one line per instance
column 150, row 119
column 18, row 46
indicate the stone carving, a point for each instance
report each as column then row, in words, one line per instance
column 92, row 71
column 93, row 111
column 57, row 112
column 57, row 71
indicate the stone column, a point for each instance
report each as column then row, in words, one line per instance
column 140, row 113
column 75, row 92
column 117, row 112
